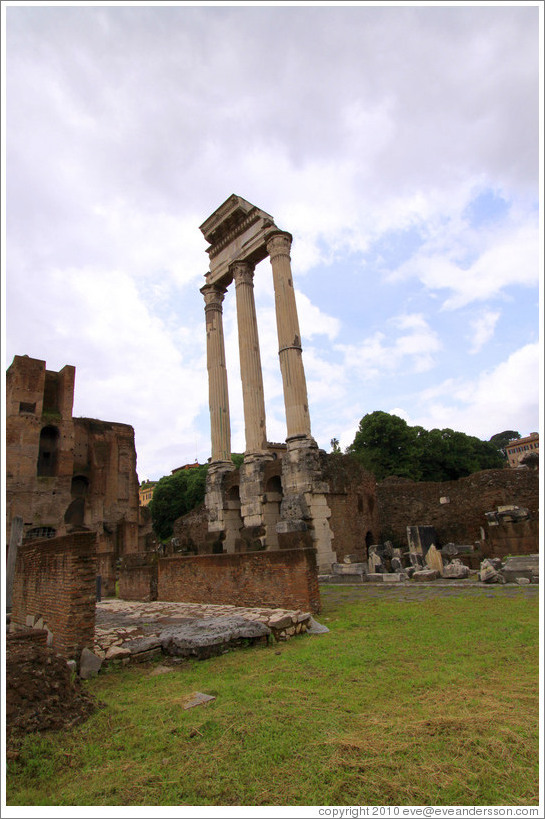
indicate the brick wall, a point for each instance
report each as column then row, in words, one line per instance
column 138, row 577
column 191, row 531
column 55, row 580
column 403, row 503
column 281, row 579
column 354, row 517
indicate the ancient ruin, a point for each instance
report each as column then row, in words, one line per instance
column 264, row 506
column 65, row 474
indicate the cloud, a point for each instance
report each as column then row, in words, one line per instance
column 128, row 125
column 414, row 349
column 483, row 329
column 505, row 397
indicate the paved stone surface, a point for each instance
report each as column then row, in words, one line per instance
column 120, row 623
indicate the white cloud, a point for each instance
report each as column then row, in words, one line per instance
column 128, row 125
column 506, row 397
column 414, row 349
column 483, row 329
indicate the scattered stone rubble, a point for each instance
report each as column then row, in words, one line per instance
column 424, row 561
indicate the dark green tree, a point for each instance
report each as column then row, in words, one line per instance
column 386, row 445
column 177, row 494
column 174, row 496
column 501, row 439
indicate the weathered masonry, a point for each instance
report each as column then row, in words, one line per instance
column 267, row 506
column 64, row 474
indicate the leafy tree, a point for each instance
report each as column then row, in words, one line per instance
column 335, row 446
column 175, row 495
column 501, row 439
column 386, row 445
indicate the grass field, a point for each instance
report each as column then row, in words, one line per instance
column 402, row 703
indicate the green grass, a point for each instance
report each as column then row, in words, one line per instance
column 434, row 702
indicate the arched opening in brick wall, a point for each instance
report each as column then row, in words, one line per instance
column 369, row 541
column 48, row 452
column 75, row 514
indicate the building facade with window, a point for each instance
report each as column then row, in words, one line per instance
column 66, row 474
column 146, row 491
column 517, row 450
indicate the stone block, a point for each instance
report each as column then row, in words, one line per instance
column 374, row 577
column 349, row 568
column 434, row 560
column 426, row 575
column 313, row 627
column 489, row 573
column 89, row 664
column 279, row 621
column 455, row 571
column 392, row 577
column 117, row 653
column 520, row 566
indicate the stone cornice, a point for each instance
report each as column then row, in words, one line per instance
column 240, row 227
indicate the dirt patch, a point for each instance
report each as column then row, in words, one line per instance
column 40, row 692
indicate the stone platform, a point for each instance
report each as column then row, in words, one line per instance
column 128, row 628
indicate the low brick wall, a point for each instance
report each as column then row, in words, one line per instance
column 281, row 579
column 55, row 582
column 138, row 578
column 403, row 503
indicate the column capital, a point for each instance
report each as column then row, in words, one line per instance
column 213, row 296
column 242, row 272
column 279, row 244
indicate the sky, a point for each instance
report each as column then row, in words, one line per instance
column 398, row 144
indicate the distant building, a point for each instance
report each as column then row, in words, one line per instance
column 185, row 466
column 517, row 449
column 146, row 491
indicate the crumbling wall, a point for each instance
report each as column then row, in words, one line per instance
column 281, row 579
column 455, row 508
column 138, row 577
column 55, row 588
column 354, row 517
column 65, row 474
column 191, row 531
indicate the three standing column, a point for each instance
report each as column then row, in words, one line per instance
column 250, row 359
column 289, row 337
column 217, row 373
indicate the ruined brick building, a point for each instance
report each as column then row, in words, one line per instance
column 66, row 474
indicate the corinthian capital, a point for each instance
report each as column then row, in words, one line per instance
column 279, row 244
column 213, row 296
column 243, row 273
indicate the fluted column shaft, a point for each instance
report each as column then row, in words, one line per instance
column 250, row 359
column 220, row 425
column 289, row 337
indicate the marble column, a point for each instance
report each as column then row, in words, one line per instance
column 250, row 359
column 289, row 337
column 217, row 374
